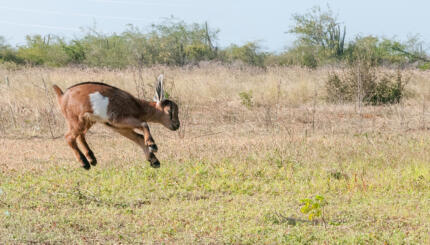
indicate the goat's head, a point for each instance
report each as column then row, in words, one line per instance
column 169, row 109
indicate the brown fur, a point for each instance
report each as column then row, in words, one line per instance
column 125, row 113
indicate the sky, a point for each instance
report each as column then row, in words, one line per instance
column 239, row 21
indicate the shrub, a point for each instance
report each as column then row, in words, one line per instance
column 250, row 53
column 75, row 51
column 309, row 60
column 104, row 50
column 246, row 99
column 424, row 66
column 388, row 90
column 43, row 50
column 338, row 90
column 179, row 43
column 362, row 81
column 7, row 53
column 375, row 51
column 198, row 52
column 366, row 85
column 299, row 55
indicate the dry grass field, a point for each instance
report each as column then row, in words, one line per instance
column 234, row 173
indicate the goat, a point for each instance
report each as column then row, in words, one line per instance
column 87, row 103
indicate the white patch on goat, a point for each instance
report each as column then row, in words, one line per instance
column 99, row 104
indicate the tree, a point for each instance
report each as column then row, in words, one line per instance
column 183, row 43
column 320, row 29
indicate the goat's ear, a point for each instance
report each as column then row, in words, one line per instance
column 159, row 89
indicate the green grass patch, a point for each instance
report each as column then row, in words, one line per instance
column 253, row 200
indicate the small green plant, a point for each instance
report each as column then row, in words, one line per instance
column 246, row 98
column 314, row 208
column 424, row 66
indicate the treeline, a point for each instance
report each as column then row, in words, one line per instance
column 320, row 41
column 169, row 43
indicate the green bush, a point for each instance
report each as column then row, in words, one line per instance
column 75, row 51
column 363, row 84
column 388, row 90
column 198, row 52
column 7, row 53
column 178, row 43
column 250, row 54
column 362, row 81
column 309, row 60
column 376, row 51
column 339, row 90
column 304, row 56
column 43, row 50
column 246, row 99
column 424, row 66
column 104, row 50
column 171, row 42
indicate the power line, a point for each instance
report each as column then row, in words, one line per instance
column 40, row 26
column 153, row 3
column 37, row 11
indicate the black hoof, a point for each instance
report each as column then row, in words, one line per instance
column 86, row 166
column 155, row 164
column 153, row 148
column 93, row 160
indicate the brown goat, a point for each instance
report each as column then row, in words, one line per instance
column 85, row 104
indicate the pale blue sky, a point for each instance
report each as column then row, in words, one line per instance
column 238, row 20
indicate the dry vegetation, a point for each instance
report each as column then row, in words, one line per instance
column 234, row 173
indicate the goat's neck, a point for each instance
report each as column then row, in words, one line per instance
column 150, row 113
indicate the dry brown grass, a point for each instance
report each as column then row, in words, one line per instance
column 283, row 98
column 230, row 175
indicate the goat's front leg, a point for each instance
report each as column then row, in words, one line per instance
column 149, row 141
column 134, row 123
column 139, row 139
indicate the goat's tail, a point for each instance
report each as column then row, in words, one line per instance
column 58, row 92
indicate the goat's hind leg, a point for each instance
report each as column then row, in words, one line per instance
column 71, row 137
column 77, row 130
column 87, row 151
